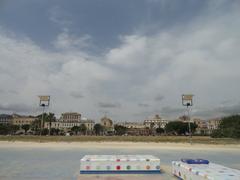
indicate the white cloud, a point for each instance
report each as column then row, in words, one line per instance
column 70, row 42
column 202, row 58
column 32, row 71
column 59, row 16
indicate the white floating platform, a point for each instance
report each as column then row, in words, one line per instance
column 209, row 171
column 119, row 164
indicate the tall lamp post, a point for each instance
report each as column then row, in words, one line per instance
column 44, row 102
column 187, row 100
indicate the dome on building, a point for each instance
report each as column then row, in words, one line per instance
column 107, row 122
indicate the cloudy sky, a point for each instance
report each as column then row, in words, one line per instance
column 129, row 59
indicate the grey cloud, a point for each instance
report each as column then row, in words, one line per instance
column 16, row 108
column 176, row 57
column 228, row 101
column 233, row 109
column 143, row 114
column 143, row 105
column 109, row 105
column 207, row 113
column 59, row 16
column 77, row 95
column 171, row 110
column 219, row 111
column 159, row 98
column 8, row 91
column 12, row 91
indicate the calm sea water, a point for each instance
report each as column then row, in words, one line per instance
column 43, row 163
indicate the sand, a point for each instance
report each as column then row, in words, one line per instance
column 117, row 145
column 165, row 149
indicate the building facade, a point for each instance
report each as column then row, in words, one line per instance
column 70, row 117
column 202, row 126
column 213, row 124
column 155, row 122
column 21, row 120
column 66, row 126
column 107, row 123
column 135, row 128
column 89, row 124
column 184, row 119
column 5, row 119
column 130, row 125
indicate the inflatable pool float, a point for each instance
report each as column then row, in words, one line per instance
column 200, row 169
column 119, row 164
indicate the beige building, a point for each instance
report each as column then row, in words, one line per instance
column 21, row 120
column 135, row 128
column 202, row 126
column 5, row 119
column 70, row 117
column 213, row 124
column 184, row 119
column 134, row 125
column 66, row 126
column 107, row 123
column 89, row 124
column 155, row 122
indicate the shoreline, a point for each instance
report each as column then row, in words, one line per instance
column 118, row 145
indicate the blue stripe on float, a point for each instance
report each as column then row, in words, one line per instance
column 122, row 172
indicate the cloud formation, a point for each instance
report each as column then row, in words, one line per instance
column 200, row 57
column 16, row 108
column 77, row 95
column 143, row 105
column 109, row 105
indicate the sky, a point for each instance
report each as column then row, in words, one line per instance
column 128, row 59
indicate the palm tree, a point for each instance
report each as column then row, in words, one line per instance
column 50, row 118
column 35, row 126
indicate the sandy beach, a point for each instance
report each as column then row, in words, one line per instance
column 61, row 160
column 116, row 145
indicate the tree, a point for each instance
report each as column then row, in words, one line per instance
column 13, row 128
column 55, row 131
column 47, row 117
column 50, row 118
column 98, row 129
column 83, row 128
column 152, row 128
column 120, row 130
column 35, row 126
column 45, row 131
column 75, row 129
column 159, row 130
column 26, row 127
column 4, row 129
column 228, row 127
column 179, row 128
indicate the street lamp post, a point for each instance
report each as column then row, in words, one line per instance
column 187, row 100
column 44, row 102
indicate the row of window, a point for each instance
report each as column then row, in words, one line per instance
column 69, row 125
column 23, row 122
